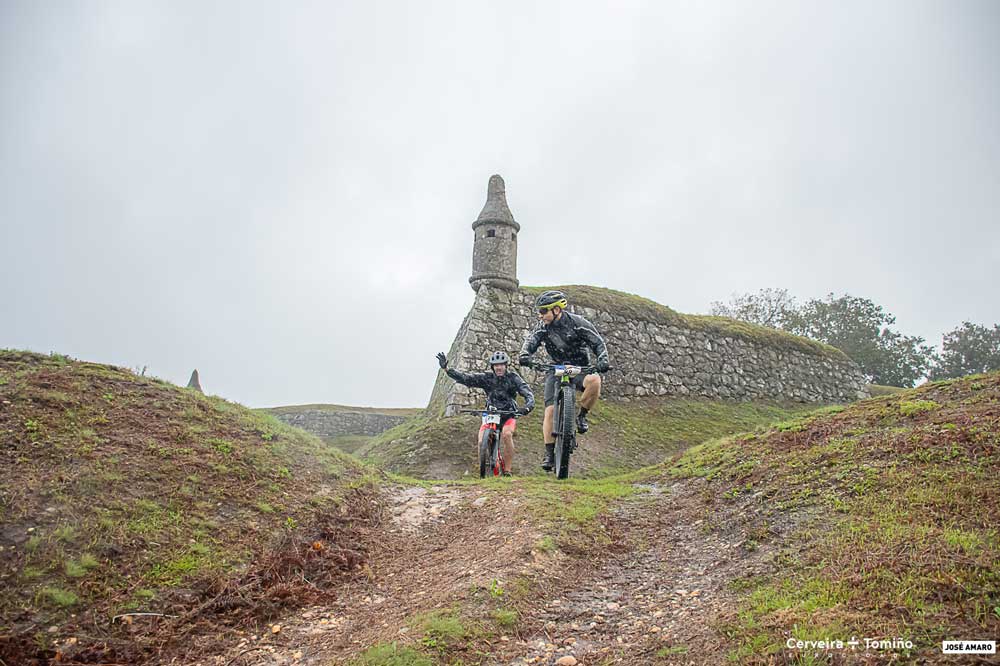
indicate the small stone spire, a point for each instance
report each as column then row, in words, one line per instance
column 494, row 246
column 496, row 209
column 193, row 383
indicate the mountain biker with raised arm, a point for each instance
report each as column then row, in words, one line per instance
column 566, row 337
column 502, row 386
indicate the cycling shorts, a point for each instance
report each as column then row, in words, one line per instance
column 503, row 424
column 552, row 383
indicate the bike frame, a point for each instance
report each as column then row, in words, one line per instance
column 565, row 441
column 492, row 418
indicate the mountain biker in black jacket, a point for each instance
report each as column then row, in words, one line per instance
column 566, row 337
column 502, row 386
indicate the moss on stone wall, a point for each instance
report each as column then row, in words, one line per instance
column 618, row 303
column 623, row 304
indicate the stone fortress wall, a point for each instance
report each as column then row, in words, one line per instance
column 654, row 350
column 328, row 423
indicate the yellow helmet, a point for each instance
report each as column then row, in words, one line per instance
column 551, row 299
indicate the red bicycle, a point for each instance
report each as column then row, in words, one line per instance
column 490, row 457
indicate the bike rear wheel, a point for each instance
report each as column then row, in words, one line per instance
column 567, row 430
column 485, row 453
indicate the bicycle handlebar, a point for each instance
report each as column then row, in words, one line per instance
column 584, row 369
column 489, row 410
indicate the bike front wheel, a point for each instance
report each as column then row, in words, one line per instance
column 485, row 453
column 567, row 430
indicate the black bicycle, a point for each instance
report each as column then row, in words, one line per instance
column 564, row 418
column 490, row 457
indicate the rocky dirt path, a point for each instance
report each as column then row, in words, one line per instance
column 649, row 600
column 654, row 603
column 444, row 542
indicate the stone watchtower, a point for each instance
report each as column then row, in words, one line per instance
column 494, row 251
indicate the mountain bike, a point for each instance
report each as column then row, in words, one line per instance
column 490, row 457
column 564, row 417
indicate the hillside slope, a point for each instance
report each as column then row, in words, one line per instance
column 883, row 522
column 124, row 494
column 622, row 437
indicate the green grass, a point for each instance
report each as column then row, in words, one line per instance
column 81, row 567
column 348, row 443
column 441, row 631
column 392, row 654
column 30, row 573
column 896, row 538
column 66, row 533
column 440, row 626
column 198, row 560
column 668, row 426
column 59, row 597
column 220, row 445
column 914, row 407
column 505, row 618
column 570, row 509
column 671, row 650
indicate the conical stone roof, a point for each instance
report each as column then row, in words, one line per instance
column 496, row 211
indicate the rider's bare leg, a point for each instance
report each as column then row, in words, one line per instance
column 548, row 437
column 507, row 442
column 547, row 425
column 591, row 391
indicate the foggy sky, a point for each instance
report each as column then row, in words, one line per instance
column 281, row 194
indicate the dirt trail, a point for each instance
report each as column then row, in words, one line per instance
column 443, row 543
column 656, row 593
column 658, row 596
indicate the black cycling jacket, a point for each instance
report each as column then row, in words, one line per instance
column 501, row 392
column 566, row 340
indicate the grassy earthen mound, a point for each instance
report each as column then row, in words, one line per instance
column 133, row 510
column 885, row 520
column 623, row 437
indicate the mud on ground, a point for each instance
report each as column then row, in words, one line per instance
column 651, row 594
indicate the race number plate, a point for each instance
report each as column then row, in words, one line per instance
column 491, row 418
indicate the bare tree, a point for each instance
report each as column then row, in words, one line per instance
column 768, row 307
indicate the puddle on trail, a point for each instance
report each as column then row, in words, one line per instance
column 654, row 488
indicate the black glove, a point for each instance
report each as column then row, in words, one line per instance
column 524, row 411
column 603, row 365
column 524, row 359
column 442, row 360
